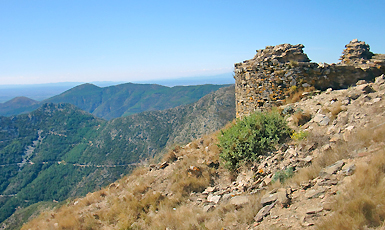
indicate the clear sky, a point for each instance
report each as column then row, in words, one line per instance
column 116, row 40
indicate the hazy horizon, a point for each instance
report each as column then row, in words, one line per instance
column 43, row 91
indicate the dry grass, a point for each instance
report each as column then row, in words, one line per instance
column 295, row 94
column 363, row 203
column 365, row 206
column 300, row 118
column 361, row 139
column 333, row 110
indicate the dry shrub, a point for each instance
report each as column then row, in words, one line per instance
column 170, row 156
column 183, row 217
column 184, row 183
column 300, row 118
column 336, row 108
column 295, row 94
column 139, row 171
column 194, row 145
column 333, row 110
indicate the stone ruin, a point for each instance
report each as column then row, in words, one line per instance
column 274, row 72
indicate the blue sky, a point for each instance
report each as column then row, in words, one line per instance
column 85, row 41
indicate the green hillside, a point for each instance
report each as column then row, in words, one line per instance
column 118, row 100
column 66, row 152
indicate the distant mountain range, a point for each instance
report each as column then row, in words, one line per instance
column 115, row 101
column 60, row 151
column 40, row 92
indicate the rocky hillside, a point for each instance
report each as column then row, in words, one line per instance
column 118, row 100
column 59, row 151
column 328, row 175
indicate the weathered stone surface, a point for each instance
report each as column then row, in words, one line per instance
column 314, row 210
column 321, row 119
column 282, row 197
column 213, row 198
column 269, row 198
column 356, row 52
column 226, row 197
column 332, row 169
column 239, row 200
column 366, row 88
column 163, row 165
column 380, row 79
column 264, row 211
column 209, row 189
column 328, row 182
column 348, row 169
column 208, row 208
column 314, row 193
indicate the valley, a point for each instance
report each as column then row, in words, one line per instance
column 60, row 151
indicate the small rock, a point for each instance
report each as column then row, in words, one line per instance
column 332, row 169
column 305, row 185
column 361, row 82
column 380, row 79
column 267, row 181
column 268, row 199
column 213, row 198
column 226, row 197
column 353, row 95
column 366, row 88
column 321, row 119
column 314, row 210
column 210, row 189
column 290, row 152
column 328, row 182
column 239, row 200
column 263, row 212
column 208, row 208
column 163, row 165
column 328, row 206
column 326, row 147
column 350, row 128
column 335, row 138
column 348, row 169
column 314, row 193
column 282, row 197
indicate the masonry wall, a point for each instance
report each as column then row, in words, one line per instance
column 267, row 79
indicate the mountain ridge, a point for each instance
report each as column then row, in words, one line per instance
column 119, row 100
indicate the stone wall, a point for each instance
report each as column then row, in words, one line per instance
column 268, row 78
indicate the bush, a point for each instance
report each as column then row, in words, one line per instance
column 283, row 175
column 251, row 137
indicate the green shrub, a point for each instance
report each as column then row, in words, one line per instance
column 283, row 175
column 251, row 137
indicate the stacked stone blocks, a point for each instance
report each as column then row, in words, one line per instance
column 267, row 79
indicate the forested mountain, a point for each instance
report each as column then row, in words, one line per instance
column 118, row 100
column 59, row 151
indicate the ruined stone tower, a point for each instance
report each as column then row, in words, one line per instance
column 265, row 80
